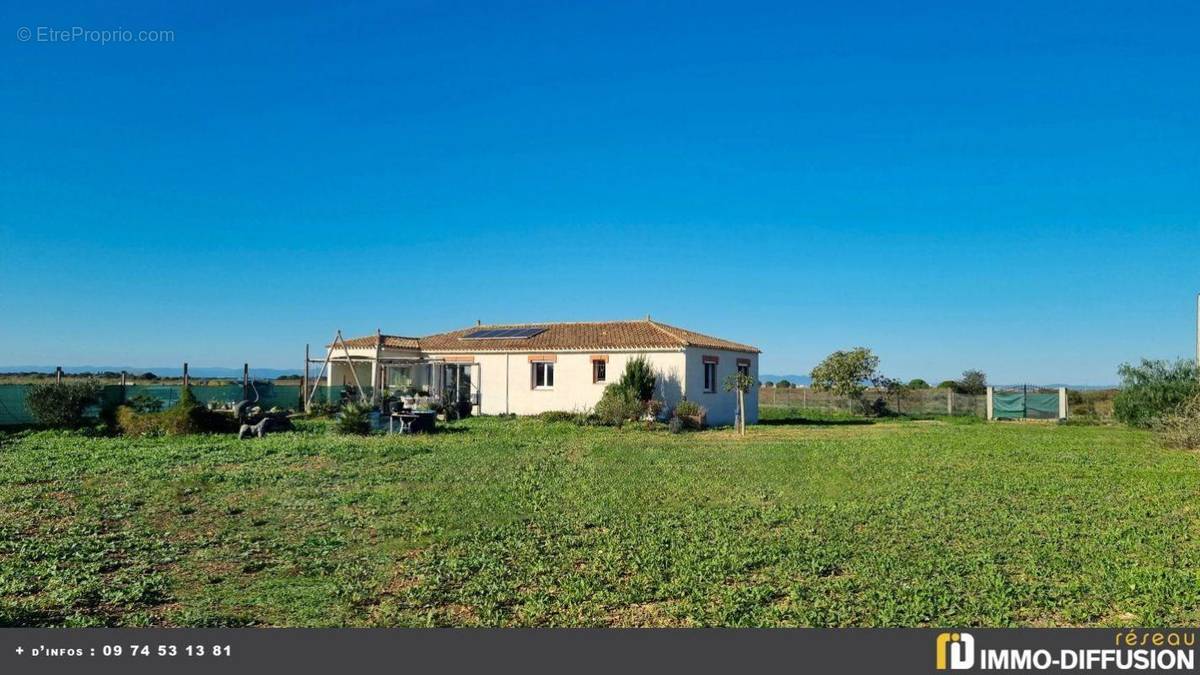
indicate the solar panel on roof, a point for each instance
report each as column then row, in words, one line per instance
column 513, row 333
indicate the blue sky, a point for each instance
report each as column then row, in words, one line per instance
column 1010, row 186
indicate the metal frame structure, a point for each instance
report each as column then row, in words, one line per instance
column 379, row 362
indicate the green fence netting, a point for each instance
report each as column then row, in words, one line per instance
column 14, row 412
column 1025, row 405
column 12, row 405
column 1008, row 406
column 1041, row 406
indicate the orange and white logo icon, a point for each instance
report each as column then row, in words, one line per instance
column 955, row 650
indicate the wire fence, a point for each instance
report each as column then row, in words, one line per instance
column 911, row 402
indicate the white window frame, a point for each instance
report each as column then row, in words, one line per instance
column 547, row 368
column 707, row 388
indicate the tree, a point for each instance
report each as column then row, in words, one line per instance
column 741, row 383
column 947, row 384
column 638, row 378
column 973, row 382
column 846, row 373
column 783, row 384
column 918, row 383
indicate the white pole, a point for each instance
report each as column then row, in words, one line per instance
column 990, row 409
column 1062, row 403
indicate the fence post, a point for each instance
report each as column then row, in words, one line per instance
column 245, row 381
column 989, row 404
column 949, row 401
column 185, row 375
column 304, row 382
column 58, row 375
column 1062, row 403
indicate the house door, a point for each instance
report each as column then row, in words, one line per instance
column 459, row 385
column 457, row 379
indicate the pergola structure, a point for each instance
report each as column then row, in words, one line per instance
column 379, row 362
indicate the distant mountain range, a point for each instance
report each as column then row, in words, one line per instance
column 794, row 379
column 164, row 371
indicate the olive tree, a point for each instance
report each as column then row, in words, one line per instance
column 846, row 373
column 741, row 383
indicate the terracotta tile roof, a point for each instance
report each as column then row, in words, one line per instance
column 393, row 341
column 599, row 335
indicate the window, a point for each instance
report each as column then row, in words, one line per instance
column 710, row 377
column 744, row 368
column 599, row 371
column 543, row 375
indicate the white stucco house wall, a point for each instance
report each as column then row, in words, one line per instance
column 530, row 368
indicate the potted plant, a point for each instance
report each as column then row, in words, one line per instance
column 693, row 414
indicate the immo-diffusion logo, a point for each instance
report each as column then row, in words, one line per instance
column 960, row 647
column 1153, row 651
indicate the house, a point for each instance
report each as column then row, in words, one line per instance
column 531, row 368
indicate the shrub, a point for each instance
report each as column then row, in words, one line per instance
column 559, row 416
column 62, row 405
column 654, row 408
column 186, row 416
column 918, row 383
column 1153, row 390
column 323, row 409
column 638, row 378
column 689, row 409
column 675, row 426
column 144, row 404
column 1181, row 429
column 947, row 384
column 355, row 418
column 618, row 405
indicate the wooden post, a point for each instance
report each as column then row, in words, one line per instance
column 245, row 381
column 741, row 411
column 316, row 383
column 304, row 382
column 1062, row 403
column 362, row 396
column 990, row 409
column 186, row 381
column 375, row 379
column 949, row 401
column 58, row 375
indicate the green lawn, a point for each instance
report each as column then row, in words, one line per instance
column 519, row 522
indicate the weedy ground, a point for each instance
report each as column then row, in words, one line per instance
column 518, row 522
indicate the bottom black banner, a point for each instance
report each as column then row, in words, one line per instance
column 98, row 650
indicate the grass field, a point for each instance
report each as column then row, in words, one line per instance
column 519, row 522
